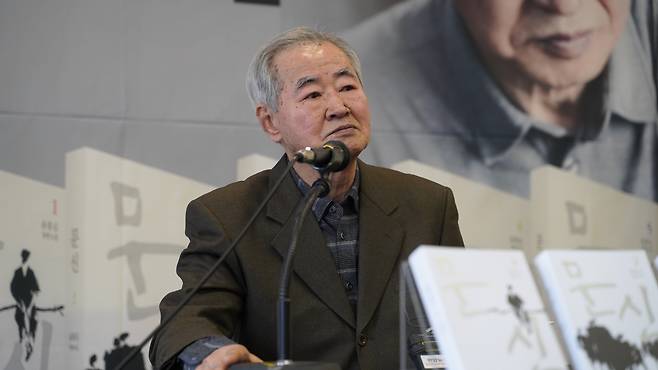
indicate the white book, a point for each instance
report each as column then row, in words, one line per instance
column 252, row 164
column 126, row 225
column 488, row 217
column 33, row 231
column 606, row 304
column 570, row 212
column 485, row 309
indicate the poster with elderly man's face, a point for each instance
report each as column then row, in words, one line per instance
column 541, row 116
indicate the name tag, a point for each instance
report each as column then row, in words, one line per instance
column 433, row 361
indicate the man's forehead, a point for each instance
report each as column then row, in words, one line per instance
column 309, row 59
column 309, row 79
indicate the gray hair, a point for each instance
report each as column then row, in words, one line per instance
column 263, row 84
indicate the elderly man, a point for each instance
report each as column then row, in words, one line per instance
column 491, row 89
column 306, row 88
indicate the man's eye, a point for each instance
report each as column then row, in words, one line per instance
column 347, row 88
column 312, row 95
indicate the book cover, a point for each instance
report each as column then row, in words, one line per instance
column 485, row 309
column 252, row 164
column 572, row 212
column 126, row 225
column 34, row 311
column 480, row 208
column 606, row 304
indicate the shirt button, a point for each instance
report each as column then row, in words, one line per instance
column 571, row 164
column 332, row 209
column 348, row 285
column 363, row 340
column 341, row 235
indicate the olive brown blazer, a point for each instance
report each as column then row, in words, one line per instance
column 397, row 212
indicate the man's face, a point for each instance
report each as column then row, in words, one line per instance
column 321, row 99
column 556, row 43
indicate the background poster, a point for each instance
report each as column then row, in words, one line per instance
column 115, row 114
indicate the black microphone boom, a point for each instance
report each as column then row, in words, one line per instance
column 332, row 156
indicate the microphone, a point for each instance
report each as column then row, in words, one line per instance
column 332, row 156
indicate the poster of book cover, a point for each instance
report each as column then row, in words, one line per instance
column 480, row 207
column 252, row 164
column 606, row 304
column 33, row 282
column 569, row 212
column 126, row 226
column 485, row 309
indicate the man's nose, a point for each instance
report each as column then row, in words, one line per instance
column 336, row 107
column 559, row 6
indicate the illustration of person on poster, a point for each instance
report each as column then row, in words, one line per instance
column 24, row 288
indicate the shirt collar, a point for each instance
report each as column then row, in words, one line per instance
column 322, row 204
column 629, row 90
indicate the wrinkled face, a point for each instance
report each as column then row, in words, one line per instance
column 556, row 43
column 321, row 99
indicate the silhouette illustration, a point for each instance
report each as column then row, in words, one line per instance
column 114, row 357
column 614, row 352
column 24, row 288
column 517, row 305
column 92, row 363
column 651, row 348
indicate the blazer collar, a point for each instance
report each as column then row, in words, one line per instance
column 380, row 239
column 284, row 200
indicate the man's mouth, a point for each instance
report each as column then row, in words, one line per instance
column 567, row 45
column 341, row 129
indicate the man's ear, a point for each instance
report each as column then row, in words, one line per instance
column 268, row 122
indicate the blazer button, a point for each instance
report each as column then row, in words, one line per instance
column 363, row 339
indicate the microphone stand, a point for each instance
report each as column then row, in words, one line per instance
column 319, row 189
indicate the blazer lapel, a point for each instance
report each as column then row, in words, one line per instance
column 312, row 263
column 380, row 242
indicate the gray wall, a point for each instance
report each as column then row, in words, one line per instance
column 160, row 82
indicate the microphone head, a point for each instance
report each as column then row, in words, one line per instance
column 340, row 156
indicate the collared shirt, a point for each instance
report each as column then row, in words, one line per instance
column 434, row 101
column 339, row 223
